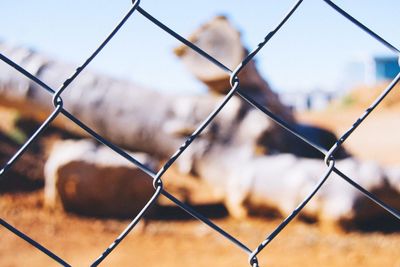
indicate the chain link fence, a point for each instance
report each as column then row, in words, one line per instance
column 252, row 253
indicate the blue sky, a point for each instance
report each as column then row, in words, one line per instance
column 312, row 50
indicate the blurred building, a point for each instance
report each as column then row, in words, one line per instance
column 312, row 100
column 366, row 70
column 371, row 70
column 384, row 68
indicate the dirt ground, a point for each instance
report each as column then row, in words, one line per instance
column 185, row 242
column 182, row 243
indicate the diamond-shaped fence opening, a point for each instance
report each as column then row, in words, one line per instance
column 235, row 90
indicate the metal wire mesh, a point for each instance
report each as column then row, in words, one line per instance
column 59, row 110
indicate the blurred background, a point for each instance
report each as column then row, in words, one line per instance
column 321, row 66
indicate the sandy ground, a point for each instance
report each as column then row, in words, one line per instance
column 156, row 242
column 377, row 138
column 182, row 243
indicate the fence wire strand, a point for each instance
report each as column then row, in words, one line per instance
column 235, row 89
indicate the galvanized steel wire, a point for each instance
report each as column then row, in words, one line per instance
column 235, row 90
